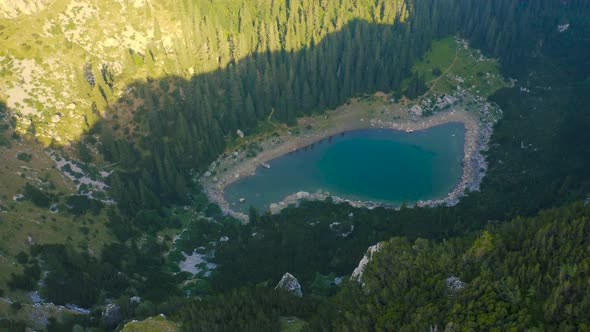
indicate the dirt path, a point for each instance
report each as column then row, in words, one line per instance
column 441, row 76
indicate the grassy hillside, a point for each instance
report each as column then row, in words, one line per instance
column 451, row 65
column 152, row 324
column 24, row 223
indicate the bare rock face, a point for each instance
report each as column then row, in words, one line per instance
column 290, row 283
column 14, row 8
column 357, row 274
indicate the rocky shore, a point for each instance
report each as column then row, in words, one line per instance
column 478, row 116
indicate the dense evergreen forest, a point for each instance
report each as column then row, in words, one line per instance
column 183, row 124
column 524, row 274
column 527, row 273
column 279, row 60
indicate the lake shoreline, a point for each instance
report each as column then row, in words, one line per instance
column 347, row 118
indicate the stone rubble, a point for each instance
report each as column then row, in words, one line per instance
column 454, row 283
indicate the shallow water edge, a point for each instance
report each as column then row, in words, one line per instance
column 477, row 115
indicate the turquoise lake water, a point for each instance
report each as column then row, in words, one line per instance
column 379, row 165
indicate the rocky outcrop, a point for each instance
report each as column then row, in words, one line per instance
column 290, row 283
column 454, row 283
column 14, row 8
column 357, row 274
column 111, row 316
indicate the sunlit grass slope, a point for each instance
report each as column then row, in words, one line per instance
column 62, row 66
column 451, row 65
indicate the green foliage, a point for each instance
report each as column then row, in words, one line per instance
column 137, row 58
column 534, row 276
column 416, row 87
column 292, row 324
column 463, row 67
column 255, row 309
column 152, row 324
column 74, row 277
column 4, row 126
column 2, row 110
column 16, row 306
column 37, row 196
column 7, row 325
column 75, row 322
column 145, row 268
column 24, row 156
column 84, row 153
column 122, row 228
column 22, row 257
column 481, row 247
column 28, row 279
column 152, row 220
column 323, row 285
column 80, row 204
column 213, row 210
column 4, row 141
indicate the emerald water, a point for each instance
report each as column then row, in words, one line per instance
column 380, row 165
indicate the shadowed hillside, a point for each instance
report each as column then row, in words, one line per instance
column 184, row 124
column 177, row 125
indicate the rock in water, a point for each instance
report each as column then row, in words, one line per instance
column 290, row 283
column 240, row 133
column 357, row 274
